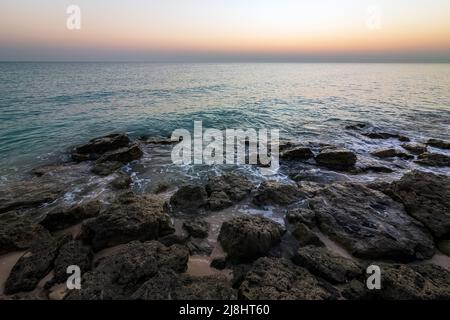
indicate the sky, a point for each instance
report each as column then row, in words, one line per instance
column 226, row 30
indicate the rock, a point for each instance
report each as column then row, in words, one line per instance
column 196, row 228
column 381, row 135
column 356, row 290
column 19, row 233
column 426, row 197
column 219, row 200
column 59, row 218
column 174, row 238
column 275, row 193
column 368, row 164
column 391, row 153
column 321, row 263
column 301, row 215
column 119, row 275
column 170, row 286
column 433, row 160
column 106, row 168
column 219, row 263
column 246, row 238
column 340, row 159
column 415, row 148
column 403, row 138
column 441, row 144
column 305, row 236
column 300, row 153
column 72, row 253
column 123, row 155
column 134, row 218
column 31, row 193
column 369, row 224
column 31, row 267
column 199, row 247
column 356, row 126
column 161, row 187
column 444, row 247
column 123, row 181
column 189, row 198
column 158, row 140
column 414, row 282
column 279, row 279
column 98, row 146
column 235, row 186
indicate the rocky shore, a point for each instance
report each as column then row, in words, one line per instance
column 134, row 244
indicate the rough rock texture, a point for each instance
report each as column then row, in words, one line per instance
column 301, row 215
column 123, row 155
column 219, row 200
column 98, row 146
column 305, row 236
column 322, row 263
column 122, row 181
column 72, row 252
column 275, row 193
column 31, row 193
column 106, row 168
column 119, row 275
column 300, row 153
column 426, row 197
column 197, row 228
column 414, row 282
column 444, row 246
column 433, row 160
column 370, row 224
column 415, row 148
column 19, row 233
column 340, row 159
column 236, row 187
column 32, row 267
column 439, row 143
column 385, row 135
column 199, row 247
column 189, row 198
column 391, row 153
column 131, row 218
column 249, row 237
column 279, row 279
column 170, row 286
column 59, row 218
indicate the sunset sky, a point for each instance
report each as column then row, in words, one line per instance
column 164, row 30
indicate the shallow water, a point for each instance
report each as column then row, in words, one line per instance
column 48, row 107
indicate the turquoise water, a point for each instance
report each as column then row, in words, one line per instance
column 47, row 107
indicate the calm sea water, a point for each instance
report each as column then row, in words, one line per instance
column 47, row 107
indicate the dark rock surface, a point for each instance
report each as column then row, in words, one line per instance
column 370, row 224
column 415, row 148
column 189, row 198
column 249, row 237
column 305, row 236
column 426, row 197
column 441, row 144
column 275, row 193
column 301, row 215
column 98, row 146
column 280, row 279
column 122, row 181
column 123, row 155
column 72, row 252
column 299, row 153
column 196, row 228
column 236, row 187
column 444, row 247
column 333, row 158
column 106, row 168
column 219, row 200
column 433, row 160
column 131, row 218
column 391, row 153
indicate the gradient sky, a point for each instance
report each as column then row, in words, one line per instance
column 208, row 30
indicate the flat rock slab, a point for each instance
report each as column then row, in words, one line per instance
column 336, row 158
column 426, row 197
column 370, row 224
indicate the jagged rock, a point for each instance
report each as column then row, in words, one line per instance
column 174, row 238
column 199, row 247
column 249, row 237
column 305, row 236
column 391, row 153
column 133, row 218
column 32, row 267
column 119, row 275
column 415, row 148
column 370, row 224
column 414, row 282
column 219, row 200
column 72, row 252
column 106, row 168
column 299, row 153
column 321, row 263
column 275, row 193
column 426, row 197
column 441, row 144
column 279, row 279
column 123, row 155
column 123, row 181
column 197, row 228
column 433, row 160
column 235, row 186
column 340, row 159
column 168, row 286
column 98, row 146
column 189, row 198
column 301, row 215
column 19, row 233
column 59, row 218
column 385, row 135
